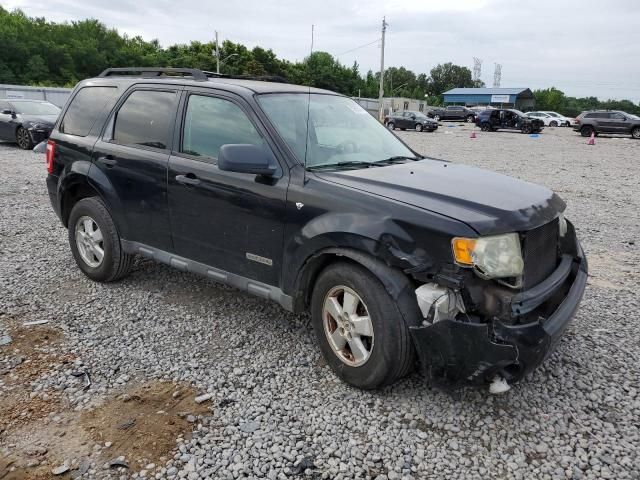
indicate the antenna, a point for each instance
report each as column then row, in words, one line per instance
column 477, row 69
column 497, row 74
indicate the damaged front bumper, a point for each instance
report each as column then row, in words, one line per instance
column 462, row 352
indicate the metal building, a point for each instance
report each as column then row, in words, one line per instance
column 520, row 98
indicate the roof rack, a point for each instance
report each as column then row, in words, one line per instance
column 200, row 75
column 155, row 72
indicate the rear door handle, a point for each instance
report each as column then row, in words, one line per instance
column 188, row 179
column 108, row 161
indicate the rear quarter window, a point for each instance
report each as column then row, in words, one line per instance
column 84, row 109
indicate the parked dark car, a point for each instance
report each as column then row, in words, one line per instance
column 452, row 112
column 417, row 121
column 508, row 119
column 299, row 196
column 607, row 121
column 26, row 122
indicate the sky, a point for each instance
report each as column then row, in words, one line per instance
column 584, row 48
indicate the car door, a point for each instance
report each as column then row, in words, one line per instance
column 618, row 123
column 227, row 220
column 133, row 154
column 7, row 122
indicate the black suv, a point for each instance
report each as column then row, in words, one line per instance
column 417, row 121
column 607, row 121
column 452, row 112
column 508, row 119
column 298, row 195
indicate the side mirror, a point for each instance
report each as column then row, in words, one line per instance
column 243, row 158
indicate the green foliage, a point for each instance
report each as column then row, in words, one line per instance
column 555, row 100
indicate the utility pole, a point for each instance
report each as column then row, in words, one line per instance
column 217, row 54
column 497, row 74
column 312, row 29
column 381, row 91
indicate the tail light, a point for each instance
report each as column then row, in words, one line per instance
column 51, row 151
column 577, row 121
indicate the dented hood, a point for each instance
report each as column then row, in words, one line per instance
column 488, row 202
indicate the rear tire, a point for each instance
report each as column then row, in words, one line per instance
column 95, row 243
column 485, row 127
column 436, row 118
column 635, row 133
column 470, row 119
column 586, row 131
column 23, row 139
column 418, row 127
column 377, row 359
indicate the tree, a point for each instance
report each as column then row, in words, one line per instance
column 549, row 99
column 447, row 76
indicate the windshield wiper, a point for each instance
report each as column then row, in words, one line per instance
column 395, row 159
column 349, row 164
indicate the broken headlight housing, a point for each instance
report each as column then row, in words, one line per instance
column 495, row 256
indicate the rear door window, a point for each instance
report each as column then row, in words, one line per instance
column 211, row 122
column 144, row 119
column 84, row 109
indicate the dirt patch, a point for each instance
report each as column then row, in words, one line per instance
column 143, row 423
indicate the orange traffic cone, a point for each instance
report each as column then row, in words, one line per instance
column 592, row 139
column 473, row 134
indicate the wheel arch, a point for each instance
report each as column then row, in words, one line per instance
column 395, row 281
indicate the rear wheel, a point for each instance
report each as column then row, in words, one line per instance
column 586, row 131
column 23, row 139
column 635, row 133
column 418, row 127
column 391, row 126
column 359, row 328
column 485, row 127
column 436, row 118
column 470, row 119
column 95, row 243
column 553, row 123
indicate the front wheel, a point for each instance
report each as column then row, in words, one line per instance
column 360, row 331
column 391, row 126
column 485, row 127
column 418, row 127
column 470, row 119
column 553, row 123
column 635, row 133
column 436, row 118
column 95, row 243
column 526, row 129
column 23, row 139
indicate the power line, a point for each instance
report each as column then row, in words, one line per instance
column 358, row 48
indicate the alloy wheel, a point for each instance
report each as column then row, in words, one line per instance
column 347, row 325
column 22, row 137
column 89, row 241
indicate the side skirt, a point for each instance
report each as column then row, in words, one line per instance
column 184, row 264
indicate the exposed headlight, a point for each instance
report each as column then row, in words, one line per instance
column 496, row 256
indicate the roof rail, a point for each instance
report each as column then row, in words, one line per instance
column 155, row 72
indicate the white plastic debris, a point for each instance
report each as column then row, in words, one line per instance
column 5, row 340
column 35, row 322
column 203, row 398
column 499, row 385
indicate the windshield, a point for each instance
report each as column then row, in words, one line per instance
column 634, row 117
column 339, row 130
column 517, row 112
column 419, row 115
column 36, row 108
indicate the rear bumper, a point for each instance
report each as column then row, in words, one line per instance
column 455, row 353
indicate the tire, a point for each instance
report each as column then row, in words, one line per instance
column 635, row 133
column 89, row 214
column 388, row 350
column 23, row 139
column 527, row 129
column 586, row 131
column 470, row 119
column 485, row 127
column 553, row 123
column 391, row 126
column 419, row 127
column 436, row 118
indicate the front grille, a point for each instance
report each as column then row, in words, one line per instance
column 540, row 253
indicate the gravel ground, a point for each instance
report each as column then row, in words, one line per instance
column 276, row 410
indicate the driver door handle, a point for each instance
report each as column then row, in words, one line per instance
column 188, row 179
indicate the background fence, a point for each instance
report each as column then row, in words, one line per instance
column 57, row 96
